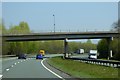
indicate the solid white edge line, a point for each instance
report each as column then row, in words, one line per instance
column 51, row 70
column 1, row 76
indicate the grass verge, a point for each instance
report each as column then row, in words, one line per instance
column 83, row 70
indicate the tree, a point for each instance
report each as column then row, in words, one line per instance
column 2, row 27
column 116, row 26
column 116, row 42
column 24, row 27
column 114, row 45
column 89, row 46
column 14, row 30
column 102, row 48
column 74, row 46
column 115, row 49
column 19, row 47
column 4, row 47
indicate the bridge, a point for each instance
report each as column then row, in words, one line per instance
column 61, row 36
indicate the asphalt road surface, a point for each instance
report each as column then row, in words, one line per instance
column 13, row 68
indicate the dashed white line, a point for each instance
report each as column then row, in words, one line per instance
column 15, row 63
column 12, row 66
column 7, row 69
column 18, row 62
column 51, row 70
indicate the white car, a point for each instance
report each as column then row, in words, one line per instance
column 93, row 54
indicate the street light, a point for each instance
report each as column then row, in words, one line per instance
column 54, row 22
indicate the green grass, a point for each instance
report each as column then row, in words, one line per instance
column 83, row 70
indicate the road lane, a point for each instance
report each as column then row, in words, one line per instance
column 31, row 68
column 6, row 63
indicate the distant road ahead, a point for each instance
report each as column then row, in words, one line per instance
column 84, row 56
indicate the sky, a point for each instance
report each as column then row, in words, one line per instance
column 69, row 16
column 60, row 0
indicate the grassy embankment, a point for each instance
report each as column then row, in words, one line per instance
column 83, row 70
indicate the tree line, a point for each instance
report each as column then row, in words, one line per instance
column 33, row 47
column 57, row 46
column 114, row 45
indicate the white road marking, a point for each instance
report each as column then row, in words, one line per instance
column 1, row 76
column 21, row 61
column 18, row 62
column 15, row 63
column 7, row 69
column 12, row 66
column 51, row 70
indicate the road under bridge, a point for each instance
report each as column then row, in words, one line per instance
column 61, row 36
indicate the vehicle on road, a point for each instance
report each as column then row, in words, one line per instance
column 22, row 56
column 39, row 56
column 42, row 52
column 80, row 51
column 92, row 54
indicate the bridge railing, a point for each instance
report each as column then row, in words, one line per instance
column 40, row 32
column 115, row 64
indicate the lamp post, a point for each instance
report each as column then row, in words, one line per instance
column 54, row 22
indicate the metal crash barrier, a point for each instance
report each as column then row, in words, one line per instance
column 115, row 64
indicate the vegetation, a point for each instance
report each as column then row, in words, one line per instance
column 73, row 46
column 83, row 70
column 55, row 46
column 102, row 48
column 114, row 45
column 116, row 49
column 34, row 47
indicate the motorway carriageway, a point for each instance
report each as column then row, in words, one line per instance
column 29, row 68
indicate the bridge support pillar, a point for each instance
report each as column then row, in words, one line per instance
column 109, row 50
column 65, row 48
